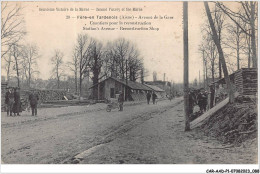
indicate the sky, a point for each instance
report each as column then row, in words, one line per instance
column 161, row 50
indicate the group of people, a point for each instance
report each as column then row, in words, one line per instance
column 148, row 97
column 199, row 97
column 202, row 100
column 13, row 101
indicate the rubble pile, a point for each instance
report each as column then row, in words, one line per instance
column 234, row 123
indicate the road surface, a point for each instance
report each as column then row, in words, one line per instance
column 142, row 133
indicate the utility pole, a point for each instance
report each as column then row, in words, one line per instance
column 204, row 69
column 15, row 54
column 186, row 65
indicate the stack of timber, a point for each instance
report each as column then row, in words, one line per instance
column 49, row 95
column 246, row 81
column 45, row 95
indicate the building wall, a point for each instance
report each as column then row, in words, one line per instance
column 109, row 83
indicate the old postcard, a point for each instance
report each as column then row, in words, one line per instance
column 130, row 83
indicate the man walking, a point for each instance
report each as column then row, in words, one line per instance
column 9, row 101
column 202, row 100
column 121, row 101
column 17, row 101
column 154, row 96
column 148, row 97
column 33, row 98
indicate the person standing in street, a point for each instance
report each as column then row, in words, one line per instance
column 154, row 97
column 148, row 97
column 33, row 98
column 17, row 101
column 121, row 101
column 202, row 100
column 9, row 101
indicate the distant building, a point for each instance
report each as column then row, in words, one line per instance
column 133, row 91
column 164, row 85
column 158, row 91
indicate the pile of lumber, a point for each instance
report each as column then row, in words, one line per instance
column 234, row 123
column 45, row 95
column 49, row 95
column 246, row 81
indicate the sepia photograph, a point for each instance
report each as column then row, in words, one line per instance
column 169, row 82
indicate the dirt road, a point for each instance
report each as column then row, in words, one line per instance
column 140, row 134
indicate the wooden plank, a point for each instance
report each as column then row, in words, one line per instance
column 199, row 121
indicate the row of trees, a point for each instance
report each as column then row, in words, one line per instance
column 119, row 58
column 90, row 58
column 20, row 59
column 235, row 33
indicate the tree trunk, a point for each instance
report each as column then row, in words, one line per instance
column 220, row 69
column 126, row 91
column 95, row 81
column 17, row 68
column 29, row 74
column 238, row 66
column 212, row 72
column 58, row 78
column 80, row 84
column 142, row 76
column 221, row 54
column 76, row 81
column 204, row 71
column 249, row 52
column 8, row 71
column 253, row 39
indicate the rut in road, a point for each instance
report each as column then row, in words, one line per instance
column 116, row 132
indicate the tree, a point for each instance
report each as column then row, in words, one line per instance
column 218, row 20
column 235, row 41
column 30, row 55
column 96, row 62
column 210, row 54
column 83, row 49
column 220, row 52
column 74, row 67
column 8, row 66
column 248, row 15
column 121, row 49
column 57, row 61
column 16, row 53
column 123, row 60
column 12, row 29
column 135, row 64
